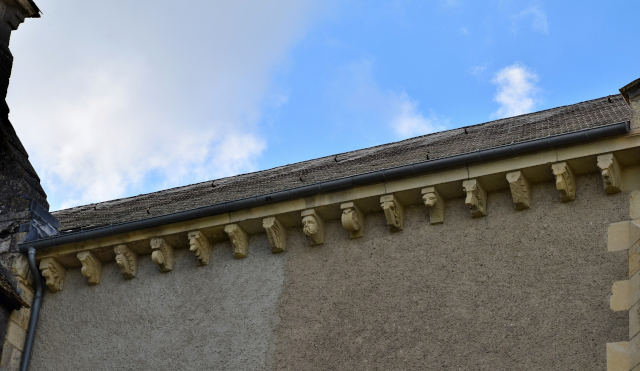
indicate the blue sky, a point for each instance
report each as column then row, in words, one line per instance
column 114, row 99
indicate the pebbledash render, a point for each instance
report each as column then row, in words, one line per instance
column 508, row 245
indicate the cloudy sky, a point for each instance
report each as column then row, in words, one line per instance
column 114, row 99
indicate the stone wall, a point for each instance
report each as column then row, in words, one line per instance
column 514, row 290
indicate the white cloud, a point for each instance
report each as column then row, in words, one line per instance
column 408, row 121
column 393, row 109
column 168, row 95
column 539, row 18
column 517, row 90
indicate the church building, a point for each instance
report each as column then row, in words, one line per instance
column 507, row 245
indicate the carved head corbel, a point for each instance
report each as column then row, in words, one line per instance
column 352, row 219
column 565, row 181
column 276, row 233
column 432, row 199
column 393, row 211
column 310, row 225
column 611, row 175
column 127, row 260
column 476, row 197
column 54, row 273
column 313, row 227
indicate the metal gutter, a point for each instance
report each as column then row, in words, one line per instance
column 35, row 311
column 336, row 184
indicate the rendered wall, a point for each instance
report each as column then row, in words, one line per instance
column 515, row 290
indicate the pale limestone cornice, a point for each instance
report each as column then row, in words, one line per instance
column 350, row 205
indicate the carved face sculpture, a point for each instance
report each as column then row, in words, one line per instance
column 51, row 275
column 121, row 260
column 310, row 225
column 429, row 199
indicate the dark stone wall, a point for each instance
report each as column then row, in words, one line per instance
column 18, row 179
column 20, row 189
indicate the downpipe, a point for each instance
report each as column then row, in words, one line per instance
column 35, row 309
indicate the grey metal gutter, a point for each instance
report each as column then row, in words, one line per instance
column 35, row 310
column 336, row 184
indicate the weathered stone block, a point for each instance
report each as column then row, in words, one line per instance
column 625, row 293
column 618, row 356
column 16, row 335
column 26, row 292
column 623, row 355
column 21, row 317
column 11, row 357
column 622, row 235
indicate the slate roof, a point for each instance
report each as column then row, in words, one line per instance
column 560, row 120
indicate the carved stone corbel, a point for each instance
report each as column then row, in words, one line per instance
column 199, row 244
column 276, row 232
column 565, row 181
column 611, row 173
column 54, row 272
column 313, row 227
column 162, row 254
column 127, row 260
column 239, row 239
column 519, row 189
column 352, row 219
column 91, row 267
column 476, row 197
column 393, row 211
column 435, row 202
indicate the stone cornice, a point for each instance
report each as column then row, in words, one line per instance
column 349, row 205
